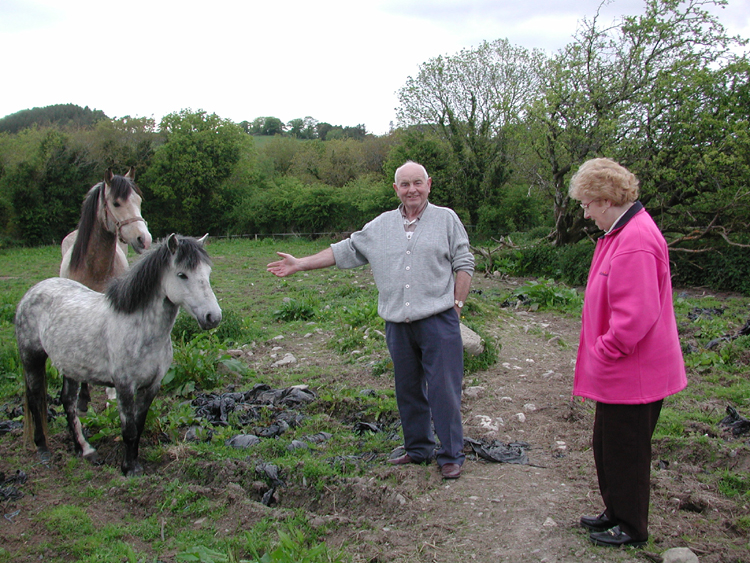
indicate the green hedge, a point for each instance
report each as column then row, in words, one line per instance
column 568, row 264
column 724, row 269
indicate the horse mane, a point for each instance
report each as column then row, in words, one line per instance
column 121, row 188
column 137, row 287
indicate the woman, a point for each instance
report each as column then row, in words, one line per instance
column 629, row 357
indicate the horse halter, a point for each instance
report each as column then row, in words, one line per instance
column 120, row 224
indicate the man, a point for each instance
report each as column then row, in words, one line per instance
column 422, row 265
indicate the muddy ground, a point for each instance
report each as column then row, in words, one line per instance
column 495, row 512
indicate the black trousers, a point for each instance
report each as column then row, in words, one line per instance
column 622, row 453
column 428, row 364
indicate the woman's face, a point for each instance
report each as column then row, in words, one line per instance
column 597, row 209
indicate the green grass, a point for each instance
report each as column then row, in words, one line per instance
column 258, row 307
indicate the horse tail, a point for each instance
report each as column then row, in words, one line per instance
column 35, row 401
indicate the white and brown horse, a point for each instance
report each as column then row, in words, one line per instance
column 110, row 217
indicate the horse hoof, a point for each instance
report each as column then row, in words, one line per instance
column 135, row 471
column 93, row 458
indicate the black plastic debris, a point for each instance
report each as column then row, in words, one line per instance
column 8, row 488
column 513, row 452
column 274, row 430
column 290, row 396
column 199, row 434
column 9, row 425
column 291, row 417
column 269, row 472
column 744, row 331
column 363, row 427
column 738, row 425
column 242, row 441
column 248, row 406
column 704, row 313
column 297, row 445
column 216, row 408
column 317, row 438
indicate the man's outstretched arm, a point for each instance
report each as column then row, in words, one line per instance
column 289, row 265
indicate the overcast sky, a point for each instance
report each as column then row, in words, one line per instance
column 339, row 61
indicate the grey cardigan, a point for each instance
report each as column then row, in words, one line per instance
column 414, row 277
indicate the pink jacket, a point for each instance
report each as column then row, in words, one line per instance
column 629, row 351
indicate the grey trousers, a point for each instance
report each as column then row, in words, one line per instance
column 428, row 363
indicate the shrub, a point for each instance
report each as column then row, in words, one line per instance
column 546, row 294
column 293, row 310
column 569, row 264
column 727, row 269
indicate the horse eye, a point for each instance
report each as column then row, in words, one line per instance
column 182, row 276
column 116, row 204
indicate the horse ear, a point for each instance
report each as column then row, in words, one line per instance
column 203, row 239
column 108, row 176
column 131, row 173
column 172, row 243
column 103, row 194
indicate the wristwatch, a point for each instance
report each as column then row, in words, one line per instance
column 459, row 303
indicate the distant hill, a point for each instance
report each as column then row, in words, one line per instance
column 63, row 115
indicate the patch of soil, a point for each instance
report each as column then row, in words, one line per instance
column 494, row 512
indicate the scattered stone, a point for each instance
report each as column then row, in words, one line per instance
column 529, row 407
column 549, row 523
column 679, row 555
column 520, row 416
column 474, row 392
column 473, row 344
column 285, row 361
column 487, row 423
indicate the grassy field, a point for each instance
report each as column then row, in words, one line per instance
column 332, row 316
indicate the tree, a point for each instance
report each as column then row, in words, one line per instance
column 469, row 100
column 272, row 126
column 61, row 115
column 44, row 184
column 603, row 90
column 189, row 173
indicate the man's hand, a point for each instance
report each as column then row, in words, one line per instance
column 287, row 266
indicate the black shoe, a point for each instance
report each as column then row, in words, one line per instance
column 614, row 537
column 597, row 523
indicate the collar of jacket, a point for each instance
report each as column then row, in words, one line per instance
column 635, row 208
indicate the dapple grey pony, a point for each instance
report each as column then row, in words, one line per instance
column 121, row 338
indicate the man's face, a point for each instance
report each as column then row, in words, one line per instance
column 412, row 186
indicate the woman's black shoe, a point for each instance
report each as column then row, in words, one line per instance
column 597, row 523
column 614, row 538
